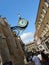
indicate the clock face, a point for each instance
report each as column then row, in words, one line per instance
column 22, row 23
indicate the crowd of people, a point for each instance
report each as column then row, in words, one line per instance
column 39, row 58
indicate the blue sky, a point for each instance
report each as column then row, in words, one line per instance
column 27, row 9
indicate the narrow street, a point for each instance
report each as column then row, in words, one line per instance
column 25, row 42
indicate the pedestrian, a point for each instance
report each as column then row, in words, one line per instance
column 45, row 59
column 36, row 60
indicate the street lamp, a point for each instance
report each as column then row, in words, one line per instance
column 22, row 24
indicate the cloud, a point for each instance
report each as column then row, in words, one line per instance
column 27, row 37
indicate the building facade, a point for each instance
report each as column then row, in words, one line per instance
column 42, row 23
column 10, row 47
column 31, row 47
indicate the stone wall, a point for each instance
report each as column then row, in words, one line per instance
column 10, row 47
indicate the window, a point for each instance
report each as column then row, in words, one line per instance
column 44, row 32
column 44, row 9
column 47, row 43
column 47, row 3
column 46, row 29
column 47, row 25
column 42, row 15
column 41, row 20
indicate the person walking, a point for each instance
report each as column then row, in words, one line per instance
column 45, row 59
column 36, row 60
